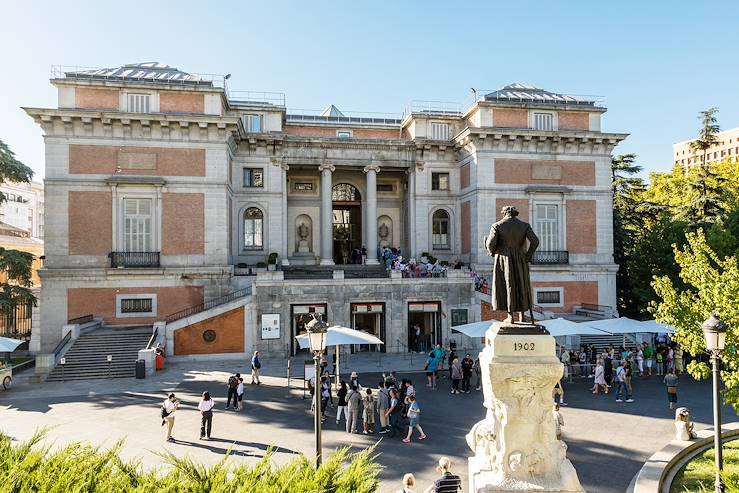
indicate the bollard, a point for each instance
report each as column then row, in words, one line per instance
column 288, row 377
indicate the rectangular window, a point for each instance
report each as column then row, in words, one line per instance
column 439, row 181
column 543, row 121
column 384, row 187
column 344, row 134
column 440, row 131
column 547, row 227
column 138, row 103
column 253, row 177
column 136, row 305
column 549, row 297
column 459, row 316
column 137, row 225
column 303, row 186
column 253, row 123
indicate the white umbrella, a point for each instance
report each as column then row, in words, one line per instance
column 657, row 328
column 337, row 335
column 474, row 329
column 623, row 325
column 559, row 327
column 8, row 345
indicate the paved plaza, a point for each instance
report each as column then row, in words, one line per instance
column 608, row 442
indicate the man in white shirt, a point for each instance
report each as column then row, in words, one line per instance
column 169, row 406
column 622, row 390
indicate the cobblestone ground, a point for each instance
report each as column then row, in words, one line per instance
column 607, row 441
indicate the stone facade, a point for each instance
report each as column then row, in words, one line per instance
column 179, row 186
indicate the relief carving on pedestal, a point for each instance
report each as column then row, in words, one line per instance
column 303, row 234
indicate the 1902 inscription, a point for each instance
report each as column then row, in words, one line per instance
column 523, row 346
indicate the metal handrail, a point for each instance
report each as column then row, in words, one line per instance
column 152, row 338
column 200, row 79
column 377, row 118
column 260, row 97
column 595, row 308
column 62, row 343
column 201, row 307
column 573, row 99
column 81, row 320
column 551, row 257
column 450, row 108
column 134, row 259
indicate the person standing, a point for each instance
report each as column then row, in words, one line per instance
column 670, row 382
column 648, row 358
column 341, row 405
column 325, row 390
column 233, row 384
column 409, row 482
column 353, row 399
column 467, row 364
column 622, row 389
column 640, row 359
column 600, row 381
column 383, row 403
column 452, row 356
column 414, row 420
column 456, row 373
column 660, row 362
column 559, row 422
column 256, row 367
column 368, row 412
column 431, row 367
column 205, row 406
column 448, row 482
column 629, row 375
column 354, row 381
column 559, row 390
column 393, row 413
column 169, row 406
column 418, row 338
column 478, row 372
column 565, row 359
column 240, row 393
column 679, row 360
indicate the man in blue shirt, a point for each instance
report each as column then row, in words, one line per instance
column 431, row 367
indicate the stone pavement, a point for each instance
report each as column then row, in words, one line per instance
column 608, row 441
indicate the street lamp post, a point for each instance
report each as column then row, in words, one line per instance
column 317, row 329
column 715, row 331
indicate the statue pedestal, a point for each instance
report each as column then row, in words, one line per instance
column 515, row 446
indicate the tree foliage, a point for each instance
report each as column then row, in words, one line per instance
column 15, row 264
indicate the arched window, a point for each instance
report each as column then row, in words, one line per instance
column 253, row 221
column 440, row 230
column 344, row 192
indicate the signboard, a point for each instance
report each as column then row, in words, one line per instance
column 459, row 316
column 110, row 358
column 62, row 361
column 271, row 326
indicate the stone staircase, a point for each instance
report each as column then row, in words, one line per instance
column 87, row 357
column 351, row 271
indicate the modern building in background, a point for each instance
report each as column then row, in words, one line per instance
column 727, row 147
column 170, row 191
column 24, row 207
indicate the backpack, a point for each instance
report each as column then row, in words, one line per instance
column 233, row 382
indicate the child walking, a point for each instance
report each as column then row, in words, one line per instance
column 414, row 417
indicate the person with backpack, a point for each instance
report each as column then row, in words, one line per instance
column 393, row 413
column 383, row 403
column 256, row 366
column 414, row 420
column 368, row 412
column 169, row 406
column 233, row 385
column 205, row 406
column 353, row 399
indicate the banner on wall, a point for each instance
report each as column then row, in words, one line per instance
column 271, row 326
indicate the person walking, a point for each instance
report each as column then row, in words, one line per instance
column 670, row 382
column 640, row 359
column 256, row 367
column 169, row 406
column 414, row 420
column 240, row 393
column 383, row 403
column 559, row 421
column 205, row 406
column 455, row 370
column 629, row 375
column 608, row 368
column 431, row 368
column 467, row 364
column 622, row 389
column 409, row 482
column 233, row 384
column 368, row 412
column 341, row 404
column 448, row 482
column 325, row 390
column 600, row 380
column 353, row 399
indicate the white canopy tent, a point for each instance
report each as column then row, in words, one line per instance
column 557, row 327
column 622, row 325
column 474, row 329
column 657, row 328
column 8, row 345
column 337, row 335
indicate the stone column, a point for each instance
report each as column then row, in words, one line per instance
column 285, row 226
column 372, row 171
column 327, row 219
column 411, row 213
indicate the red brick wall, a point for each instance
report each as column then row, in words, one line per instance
column 181, row 102
column 357, row 133
column 573, row 120
column 581, row 226
column 464, row 176
column 510, row 118
column 466, row 227
column 541, row 171
column 104, row 160
column 90, row 223
column 487, row 312
column 96, row 99
column 183, row 224
column 575, row 293
column 229, row 329
column 101, row 302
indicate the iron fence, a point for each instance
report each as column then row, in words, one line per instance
column 134, row 259
column 17, row 323
column 553, row 257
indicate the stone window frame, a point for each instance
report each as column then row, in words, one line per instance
column 153, row 100
column 347, row 133
column 122, row 192
column 450, row 233
column 553, row 114
column 448, row 181
column 252, row 169
column 560, row 290
column 242, row 228
column 140, row 296
column 560, row 201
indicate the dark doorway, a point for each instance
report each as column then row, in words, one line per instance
column 370, row 318
column 299, row 316
column 427, row 316
column 347, row 224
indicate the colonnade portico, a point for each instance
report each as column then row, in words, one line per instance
column 326, row 214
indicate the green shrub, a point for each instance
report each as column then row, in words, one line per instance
column 444, row 263
column 261, row 265
column 32, row 467
column 272, row 259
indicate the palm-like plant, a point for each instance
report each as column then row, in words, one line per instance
column 707, row 135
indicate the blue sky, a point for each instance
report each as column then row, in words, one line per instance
column 657, row 63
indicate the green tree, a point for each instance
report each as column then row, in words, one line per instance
column 710, row 283
column 16, row 265
column 707, row 134
column 705, row 197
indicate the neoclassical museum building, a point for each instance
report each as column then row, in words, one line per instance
column 226, row 219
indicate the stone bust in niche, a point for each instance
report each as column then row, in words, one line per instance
column 303, row 231
column 384, row 232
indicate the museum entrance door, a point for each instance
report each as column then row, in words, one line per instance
column 427, row 316
column 347, row 224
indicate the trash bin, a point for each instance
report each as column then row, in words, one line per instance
column 140, row 369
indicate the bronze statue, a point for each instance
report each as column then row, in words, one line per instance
column 506, row 243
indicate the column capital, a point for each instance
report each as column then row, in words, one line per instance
column 327, row 166
column 372, row 167
column 420, row 164
column 280, row 163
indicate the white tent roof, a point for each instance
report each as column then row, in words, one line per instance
column 657, row 328
column 340, row 336
column 622, row 325
column 8, row 345
column 474, row 329
column 561, row 327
